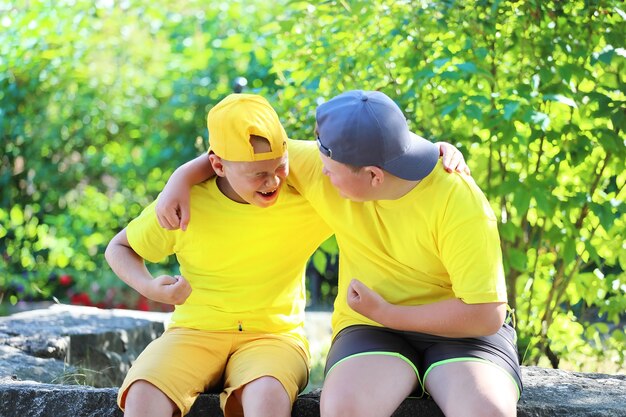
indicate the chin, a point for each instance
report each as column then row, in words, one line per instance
column 265, row 203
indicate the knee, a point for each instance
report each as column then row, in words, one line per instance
column 264, row 388
column 334, row 404
column 490, row 408
column 142, row 395
column 267, row 386
column 499, row 408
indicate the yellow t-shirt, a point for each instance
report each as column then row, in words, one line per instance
column 437, row 242
column 245, row 264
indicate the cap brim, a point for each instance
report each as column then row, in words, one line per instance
column 416, row 162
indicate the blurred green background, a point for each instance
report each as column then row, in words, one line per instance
column 101, row 100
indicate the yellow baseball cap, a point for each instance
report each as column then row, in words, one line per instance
column 237, row 117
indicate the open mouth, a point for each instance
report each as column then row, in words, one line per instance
column 268, row 194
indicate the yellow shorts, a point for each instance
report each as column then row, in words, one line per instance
column 183, row 363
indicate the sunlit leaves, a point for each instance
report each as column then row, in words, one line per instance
column 535, row 92
column 99, row 101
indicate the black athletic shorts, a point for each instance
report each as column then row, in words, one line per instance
column 424, row 352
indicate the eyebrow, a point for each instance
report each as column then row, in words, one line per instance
column 268, row 172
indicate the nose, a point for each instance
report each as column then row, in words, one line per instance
column 273, row 181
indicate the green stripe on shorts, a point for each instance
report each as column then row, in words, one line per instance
column 394, row 354
column 471, row 359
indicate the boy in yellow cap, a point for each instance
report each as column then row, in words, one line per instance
column 238, row 322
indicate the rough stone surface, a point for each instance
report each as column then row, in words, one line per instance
column 553, row 392
column 548, row 393
column 17, row 365
column 43, row 351
column 82, row 344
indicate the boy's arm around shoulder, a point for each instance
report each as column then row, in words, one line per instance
column 173, row 207
column 131, row 269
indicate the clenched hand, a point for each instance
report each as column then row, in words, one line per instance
column 365, row 301
column 169, row 290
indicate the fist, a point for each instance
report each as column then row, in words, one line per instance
column 170, row 290
column 364, row 300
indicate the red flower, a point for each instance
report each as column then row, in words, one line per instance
column 65, row 280
column 81, row 299
column 142, row 304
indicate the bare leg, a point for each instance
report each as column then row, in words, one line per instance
column 367, row 386
column 472, row 389
column 264, row 397
column 145, row 400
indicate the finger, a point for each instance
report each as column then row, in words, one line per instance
column 172, row 219
column 357, row 284
column 447, row 162
column 353, row 293
column 163, row 221
column 167, row 280
column 456, row 163
column 182, row 279
column 185, row 216
column 183, row 284
column 179, row 280
column 166, row 220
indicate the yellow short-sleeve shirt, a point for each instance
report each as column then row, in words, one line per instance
column 437, row 242
column 245, row 264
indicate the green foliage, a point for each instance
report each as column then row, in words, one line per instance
column 533, row 93
column 100, row 101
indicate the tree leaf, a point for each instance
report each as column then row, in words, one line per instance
column 560, row 99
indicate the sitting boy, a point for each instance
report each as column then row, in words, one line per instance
column 238, row 322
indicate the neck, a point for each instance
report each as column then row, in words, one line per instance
column 224, row 186
column 396, row 187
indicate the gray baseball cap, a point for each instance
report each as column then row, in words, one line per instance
column 363, row 128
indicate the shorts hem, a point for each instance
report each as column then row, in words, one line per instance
column 123, row 393
column 394, row 354
column 472, row 359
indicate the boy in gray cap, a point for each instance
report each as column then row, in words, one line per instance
column 422, row 304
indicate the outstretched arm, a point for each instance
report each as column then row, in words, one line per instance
column 172, row 208
column 131, row 269
column 448, row 318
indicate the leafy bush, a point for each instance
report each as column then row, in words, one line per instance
column 100, row 101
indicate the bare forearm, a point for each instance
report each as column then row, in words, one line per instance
column 127, row 265
column 449, row 318
column 193, row 172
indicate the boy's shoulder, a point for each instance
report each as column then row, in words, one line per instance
column 453, row 182
column 299, row 146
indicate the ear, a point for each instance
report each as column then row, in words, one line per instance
column 376, row 175
column 217, row 164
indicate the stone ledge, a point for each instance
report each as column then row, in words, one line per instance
column 547, row 392
column 71, row 344
column 61, row 343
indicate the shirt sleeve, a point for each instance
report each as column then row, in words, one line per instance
column 304, row 165
column 148, row 238
column 470, row 246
